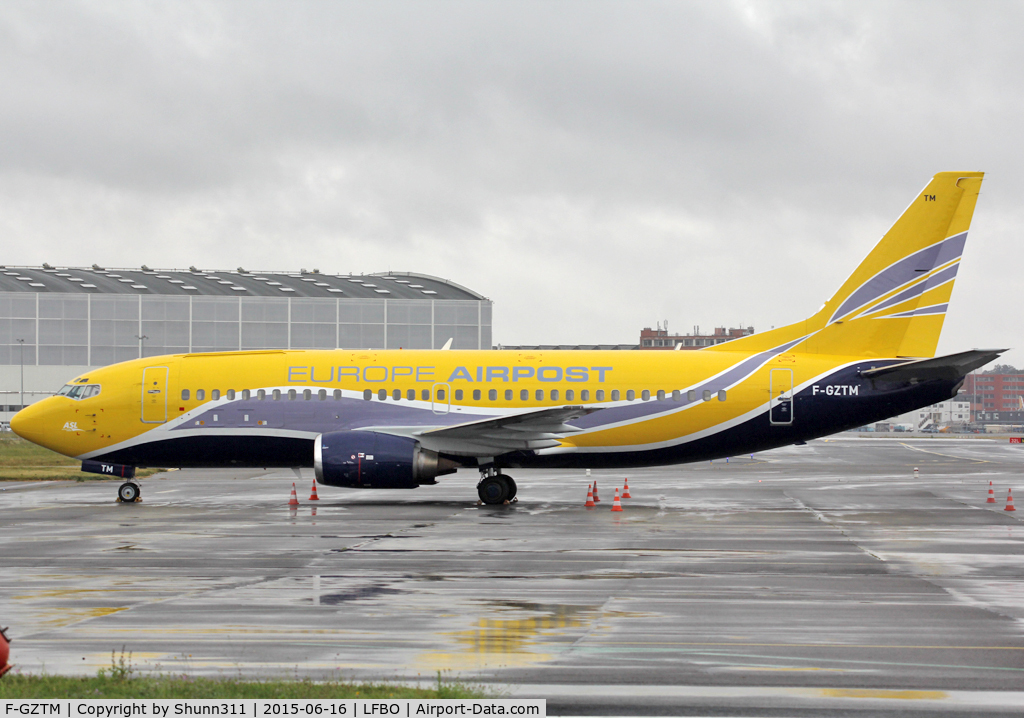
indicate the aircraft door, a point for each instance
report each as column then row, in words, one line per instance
column 154, row 394
column 780, row 405
column 441, row 398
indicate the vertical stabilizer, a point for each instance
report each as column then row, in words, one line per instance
column 895, row 302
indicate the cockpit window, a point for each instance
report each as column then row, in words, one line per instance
column 79, row 391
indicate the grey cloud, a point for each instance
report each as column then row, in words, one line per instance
column 593, row 166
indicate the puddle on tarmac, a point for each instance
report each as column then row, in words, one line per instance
column 47, row 618
column 526, row 636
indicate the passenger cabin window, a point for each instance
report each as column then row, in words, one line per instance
column 676, row 396
column 524, row 395
column 322, row 395
column 231, row 395
column 200, row 394
column 691, row 395
column 492, row 395
column 411, row 395
column 458, row 395
column 396, row 394
column 215, row 394
column 630, row 395
column 307, row 394
column 261, row 394
column 707, row 395
column 646, row 395
column 440, row 394
column 291, row 395
column 570, row 395
column 615, row 394
column 585, row 395
column 337, row 394
column 246, row 394
column 540, row 395
column 367, row 394
column 476, row 395
column 554, row 395
column 721, row 394
column 276, row 395
column 508, row 395
column 661, row 395
column 382, row 394
column 600, row 394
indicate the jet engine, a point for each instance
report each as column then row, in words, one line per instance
column 372, row 460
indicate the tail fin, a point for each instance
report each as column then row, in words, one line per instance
column 894, row 304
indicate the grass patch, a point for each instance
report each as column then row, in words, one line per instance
column 122, row 680
column 105, row 686
column 22, row 460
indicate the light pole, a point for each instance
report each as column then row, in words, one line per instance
column 21, row 351
column 141, row 339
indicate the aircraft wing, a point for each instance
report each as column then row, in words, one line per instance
column 951, row 366
column 527, row 431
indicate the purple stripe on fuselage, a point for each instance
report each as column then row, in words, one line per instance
column 903, row 271
column 918, row 289
column 729, row 377
column 934, row 309
column 320, row 416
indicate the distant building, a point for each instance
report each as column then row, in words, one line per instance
column 951, row 412
column 660, row 338
column 60, row 322
column 1007, row 418
column 990, row 393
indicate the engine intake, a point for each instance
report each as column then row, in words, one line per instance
column 371, row 460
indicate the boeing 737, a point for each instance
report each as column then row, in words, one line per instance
column 400, row 419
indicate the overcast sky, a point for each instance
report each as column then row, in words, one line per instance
column 592, row 167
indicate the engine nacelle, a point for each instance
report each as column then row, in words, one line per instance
column 371, row 460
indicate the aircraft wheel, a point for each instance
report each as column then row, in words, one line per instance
column 129, row 492
column 493, row 490
column 511, row 487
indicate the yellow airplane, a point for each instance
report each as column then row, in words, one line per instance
column 400, row 419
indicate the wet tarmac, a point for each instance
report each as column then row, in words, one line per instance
column 818, row 579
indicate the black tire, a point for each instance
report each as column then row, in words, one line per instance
column 128, row 492
column 493, row 490
column 511, row 486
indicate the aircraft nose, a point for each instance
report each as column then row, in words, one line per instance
column 31, row 422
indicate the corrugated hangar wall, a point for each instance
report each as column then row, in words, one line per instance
column 65, row 333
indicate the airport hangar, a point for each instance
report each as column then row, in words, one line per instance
column 57, row 323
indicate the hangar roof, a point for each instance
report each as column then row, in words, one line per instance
column 182, row 282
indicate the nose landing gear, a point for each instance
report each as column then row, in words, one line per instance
column 129, row 493
column 496, row 489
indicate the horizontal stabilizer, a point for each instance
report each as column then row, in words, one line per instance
column 950, row 367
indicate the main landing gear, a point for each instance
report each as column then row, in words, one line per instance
column 495, row 488
column 129, row 492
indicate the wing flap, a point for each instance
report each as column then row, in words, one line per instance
column 530, row 430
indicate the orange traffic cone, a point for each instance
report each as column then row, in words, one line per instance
column 625, row 490
column 590, row 497
column 616, row 506
column 597, row 499
column 991, row 494
column 313, row 496
column 1009, row 501
column 294, row 500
